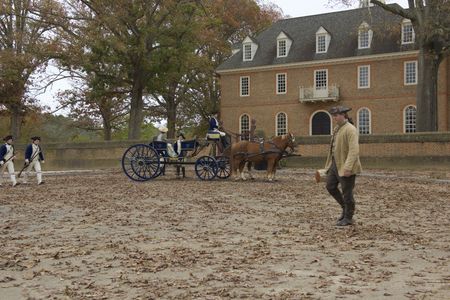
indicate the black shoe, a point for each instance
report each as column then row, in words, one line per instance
column 345, row 222
column 42, row 182
column 16, row 184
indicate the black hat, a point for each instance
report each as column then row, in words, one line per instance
column 339, row 110
column 180, row 133
column 35, row 138
column 8, row 137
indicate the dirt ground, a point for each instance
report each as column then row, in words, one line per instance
column 101, row 236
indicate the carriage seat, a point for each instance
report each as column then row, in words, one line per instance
column 160, row 147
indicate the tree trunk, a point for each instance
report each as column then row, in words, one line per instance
column 136, row 109
column 171, row 118
column 427, row 101
column 16, row 121
column 106, row 130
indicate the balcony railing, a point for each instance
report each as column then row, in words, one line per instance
column 312, row 94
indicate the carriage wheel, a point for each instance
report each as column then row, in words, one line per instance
column 206, row 168
column 223, row 167
column 140, row 162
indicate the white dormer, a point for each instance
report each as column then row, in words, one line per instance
column 283, row 45
column 323, row 39
column 249, row 48
column 365, row 35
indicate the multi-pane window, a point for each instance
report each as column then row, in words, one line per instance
column 282, row 48
column 245, row 86
column 363, row 77
column 281, row 83
column 244, row 128
column 364, row 121
column 410, row 72
column 321, row 43
column 321, row 79
column 281, row 124
column 407, row 33
column 248, row 52
column 364, row 39
column 410, row 119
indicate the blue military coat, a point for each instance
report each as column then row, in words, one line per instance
column 29, row 152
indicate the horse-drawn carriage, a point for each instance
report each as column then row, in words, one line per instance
column 143, row 162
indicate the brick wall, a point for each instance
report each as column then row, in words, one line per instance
column 386, row 98
column 412, row 150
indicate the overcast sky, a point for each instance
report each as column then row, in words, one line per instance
column 293, row 8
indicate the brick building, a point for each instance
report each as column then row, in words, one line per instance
column 288, row 76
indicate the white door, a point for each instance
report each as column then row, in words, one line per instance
column 320, row 83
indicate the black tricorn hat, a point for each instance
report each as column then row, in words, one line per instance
column 339, row 110
column 35, row 138
column 180, row 133
column 8, row 137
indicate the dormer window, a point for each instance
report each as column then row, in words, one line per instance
column 364, row 36
column 249, row 48
column 283, row 45
column 282, row 48
column 408, row 35
column 323, row 39
column 247, row 51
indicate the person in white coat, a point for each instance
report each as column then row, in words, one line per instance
column 7, row 156
column 33, row 159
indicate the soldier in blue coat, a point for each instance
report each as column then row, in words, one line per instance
column 7, row 156
column 33, row 159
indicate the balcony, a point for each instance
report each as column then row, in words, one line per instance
column 313, row 94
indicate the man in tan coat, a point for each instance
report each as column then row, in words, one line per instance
column 343, row 163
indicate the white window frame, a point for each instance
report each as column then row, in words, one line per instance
column 370, row 120
column 324, row 35
column 315, row 77
column 240, row 86
column 276, row 122
column 240, row 123
column 279, row 47
column 404, row 118
column 413, row 38
column 405, row 74
column 368, row 77
column 278, row 86
column 247, row 48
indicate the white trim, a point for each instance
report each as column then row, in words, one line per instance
column 359, row 77
column 407, row 22
column 240, row 124
column 326, row 73
column 311, row 118
column 404, row 72
column 240, row 86
column 404, row 117
column 323, row 62
column 285, row 83
column 276, row 122
column 370, row 119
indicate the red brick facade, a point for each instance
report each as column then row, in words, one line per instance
column 386, row 98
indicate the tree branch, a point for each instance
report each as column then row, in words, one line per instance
column 395, row 9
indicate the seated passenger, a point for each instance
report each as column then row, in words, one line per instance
column 162, row 137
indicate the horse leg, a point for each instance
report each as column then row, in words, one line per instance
column 234, row 168
column 270, row 164
column 249, row 170
column 241, row 170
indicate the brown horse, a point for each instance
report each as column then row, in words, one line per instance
column 255, row 152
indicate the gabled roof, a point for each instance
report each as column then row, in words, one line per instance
column 342, row 26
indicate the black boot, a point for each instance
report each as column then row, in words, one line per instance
column 349, row 209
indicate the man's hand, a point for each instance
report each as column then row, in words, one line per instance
column 27, row 161
column 1, row 162
column 43, row 161
column 347, row 173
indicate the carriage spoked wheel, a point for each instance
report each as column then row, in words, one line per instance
column 141, row 162
column 206, row 168
column 223, row 167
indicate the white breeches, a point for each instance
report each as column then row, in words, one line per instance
column 10, row 166
column 37, row 167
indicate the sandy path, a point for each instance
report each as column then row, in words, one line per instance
column 100, row 236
